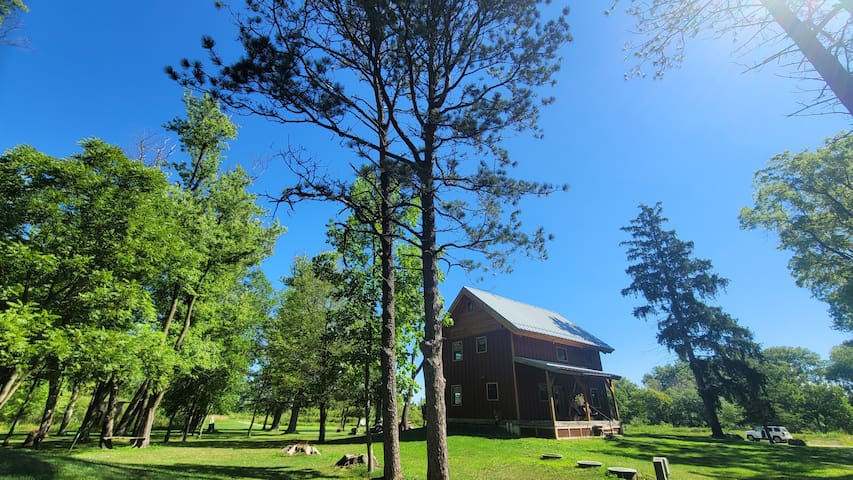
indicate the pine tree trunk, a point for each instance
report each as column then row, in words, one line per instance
column 393, row 469
column 69, row 409
column 294, row 417
column 709, row 400
column 368, row 436
column 438, row 467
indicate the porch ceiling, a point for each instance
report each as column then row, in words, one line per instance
column 563, row 368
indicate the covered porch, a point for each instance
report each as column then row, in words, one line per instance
column 557, row 400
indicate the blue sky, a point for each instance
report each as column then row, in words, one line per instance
column 691, row 141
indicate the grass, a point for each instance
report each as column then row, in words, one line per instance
column 229, row 454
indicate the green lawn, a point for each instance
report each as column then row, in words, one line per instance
column 230, row 455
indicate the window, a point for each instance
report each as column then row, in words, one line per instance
column 469, row 306
column 481, row 344
column 543, row 392
column 456, row 395
column 457, row 350
column 492, row 391
column 562, row 354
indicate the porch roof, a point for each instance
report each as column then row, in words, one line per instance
column 563, row 368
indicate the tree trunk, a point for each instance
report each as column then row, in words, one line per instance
column 344, row 418
column 410, row 392
column 20, row 411
column 709, row 399
column 393, row 469
column 186, row 429
column 146, row 421
column 69, row 409
column 54, row 387
column 132, row 411
column 188, row 422
column 266, row 419
column 93, row 413
column 168, row 435
column 12, row 381
column 276, row 417
column 837, row 78
column 324, row 413
column 368, row 436
column 252, row 422
column 294, row 417
column 106, row 439
column 438, row 467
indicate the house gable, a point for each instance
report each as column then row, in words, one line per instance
column 522, row 319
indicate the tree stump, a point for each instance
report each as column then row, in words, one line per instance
column 299, row 448
column 623, row 472
column 350, row 460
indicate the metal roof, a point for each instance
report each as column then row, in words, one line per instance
column 563, row 368
column 533, row 319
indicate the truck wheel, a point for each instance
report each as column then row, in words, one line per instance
column 777, row 439
column 750, row 438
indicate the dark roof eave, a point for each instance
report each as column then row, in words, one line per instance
column 563, row 368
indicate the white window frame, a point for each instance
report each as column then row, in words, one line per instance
column 453, row 351
column 565, row 354
column 453, row 391
column 497, row 392
column 485, row 344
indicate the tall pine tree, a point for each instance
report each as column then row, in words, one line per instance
column 677, row 287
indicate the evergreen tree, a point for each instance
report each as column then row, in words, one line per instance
column 676, row 287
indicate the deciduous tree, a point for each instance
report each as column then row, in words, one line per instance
column 810, row 40
column 806, row 198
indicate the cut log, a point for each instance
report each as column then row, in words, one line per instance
column 350, row 460
column 299, row 449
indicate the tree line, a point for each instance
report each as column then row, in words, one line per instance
column 117, row 276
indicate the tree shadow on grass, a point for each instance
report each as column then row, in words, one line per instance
column 30, row 466
column 764, row 461
column 24, row 464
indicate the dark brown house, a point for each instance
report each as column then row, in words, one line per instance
column 527, row 369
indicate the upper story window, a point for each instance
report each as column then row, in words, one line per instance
column 482, row 345
column 562, row 354
column 457, row 350
column 469, row 307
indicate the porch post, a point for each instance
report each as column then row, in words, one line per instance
column 515, row 382
column 551, row 401
column 613, row 395
column 586, row 396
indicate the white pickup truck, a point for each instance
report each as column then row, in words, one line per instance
column 776, row 434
